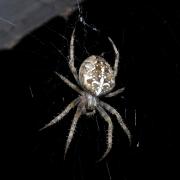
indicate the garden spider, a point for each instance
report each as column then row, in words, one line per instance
column 96, row 78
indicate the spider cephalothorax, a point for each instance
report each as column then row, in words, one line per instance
column 96, row 78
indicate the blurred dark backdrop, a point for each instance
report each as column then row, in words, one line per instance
column 147, row 37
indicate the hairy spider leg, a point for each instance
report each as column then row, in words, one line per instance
column 71, row 60
column 62, row 114
column 70, row 84
column 115, row 93
column 106, row 117
column 116, row 57
column 77, row 115
column 119, row 118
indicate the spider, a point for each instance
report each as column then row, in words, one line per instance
column 96, row 79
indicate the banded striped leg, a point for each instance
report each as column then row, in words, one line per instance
column 61, row 115
column 114, row 93
column 116, row 57
column 71, row 61
column 106, row 117
column 69, row 83
column 77, row 115
column 119, row 118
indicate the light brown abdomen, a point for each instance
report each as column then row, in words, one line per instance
column 96, row 75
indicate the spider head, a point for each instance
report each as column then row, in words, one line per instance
column 96, row 76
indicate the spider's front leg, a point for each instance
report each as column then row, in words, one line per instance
column 62, row 114
column 106, row 117
column 77, row 115
column 119, row 118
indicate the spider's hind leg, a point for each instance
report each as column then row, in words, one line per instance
column 116, row 57
column 69, row 83
column 71, row 60
column 115, row 93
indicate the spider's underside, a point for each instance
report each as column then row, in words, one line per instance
column 96, row 78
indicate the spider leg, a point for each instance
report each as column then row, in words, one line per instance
column 119, row 118
column 71, row 61
column 116, row 57
column 62, row 114
column 77, row 115
column 116, row 92
column 110, row 131
column 69, row 83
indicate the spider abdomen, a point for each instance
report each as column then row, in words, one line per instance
column 96, row 75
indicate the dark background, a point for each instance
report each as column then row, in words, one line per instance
column 147, row 37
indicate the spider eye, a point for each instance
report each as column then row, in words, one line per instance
column 96, row 75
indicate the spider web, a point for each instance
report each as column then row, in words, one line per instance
column 147, row 37
column 49, row 51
